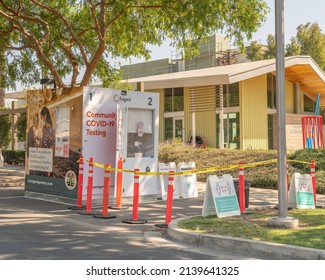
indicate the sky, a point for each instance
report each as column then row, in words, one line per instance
column 296, row 12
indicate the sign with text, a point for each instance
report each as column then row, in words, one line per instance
column 220, row 197
column 187, row 183
column 99, row 138
column 40, row 159
column 301, row 194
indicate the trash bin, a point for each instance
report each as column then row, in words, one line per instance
column 247, row 187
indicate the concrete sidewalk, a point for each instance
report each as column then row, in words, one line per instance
column 50, row 225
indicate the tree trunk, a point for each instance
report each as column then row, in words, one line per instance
column 2, row 77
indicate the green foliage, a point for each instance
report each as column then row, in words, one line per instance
column 263, row 176
column 57, row 38
column 312, row 42
column 5, row 130
column 21, row 127
column 255, row 51
column 271, row 45
column 293, row 48
column 309, row 40
column 14, row 157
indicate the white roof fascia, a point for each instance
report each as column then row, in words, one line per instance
column 227, row 74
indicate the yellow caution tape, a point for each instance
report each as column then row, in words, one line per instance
column 193, row 171
column 298, row 161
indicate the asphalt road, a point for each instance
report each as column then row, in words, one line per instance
column 40, row 230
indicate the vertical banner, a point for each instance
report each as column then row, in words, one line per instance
column 99, row 136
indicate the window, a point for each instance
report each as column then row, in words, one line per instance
column 309, row 104
column 270, row 130
column 169, row 128
column 230, row 95
column 174, row 100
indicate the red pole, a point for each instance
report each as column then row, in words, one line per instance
column 107, row 180
column 287, row 169
column 80, row 181
column 79, row 206
column 169, row 202
column 313, row 178
column 288, row 183
column 90, row 186
column 241, row 188
column 119, row 184
column 135, row 209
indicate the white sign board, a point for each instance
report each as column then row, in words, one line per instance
column 40, row 159
column 301, row 194
column 99, row 138
column 187, row 183
column 163, row 180
column 220, row 197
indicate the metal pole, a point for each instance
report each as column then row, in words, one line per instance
column 280, row 100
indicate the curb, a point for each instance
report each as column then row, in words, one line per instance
column 251, row 248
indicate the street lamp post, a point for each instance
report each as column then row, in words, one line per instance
column 283, row 220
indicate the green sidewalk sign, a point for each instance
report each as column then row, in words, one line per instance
column 301, row 194
column 220, row 197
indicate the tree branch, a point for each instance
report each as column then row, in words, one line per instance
column 67, row 25
column 74, row 63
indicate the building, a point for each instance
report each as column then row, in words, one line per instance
column 234, row 106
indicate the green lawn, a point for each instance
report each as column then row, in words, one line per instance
column 254, row 226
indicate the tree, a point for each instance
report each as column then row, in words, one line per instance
column 271, row 47
column 2, row 77
column 293, row 48
column 311, row 40
column 254, row 52
column 76, row 38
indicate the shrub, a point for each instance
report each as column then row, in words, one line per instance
column 263, row 176
column 14, row 157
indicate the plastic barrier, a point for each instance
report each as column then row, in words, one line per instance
column 241, row 187
column 88, row 210
column 171, row 174
column 169, row 201
column 313, row 178
column 107, row 180
column 119, row 188
column 135, row 209
column 80, row 185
